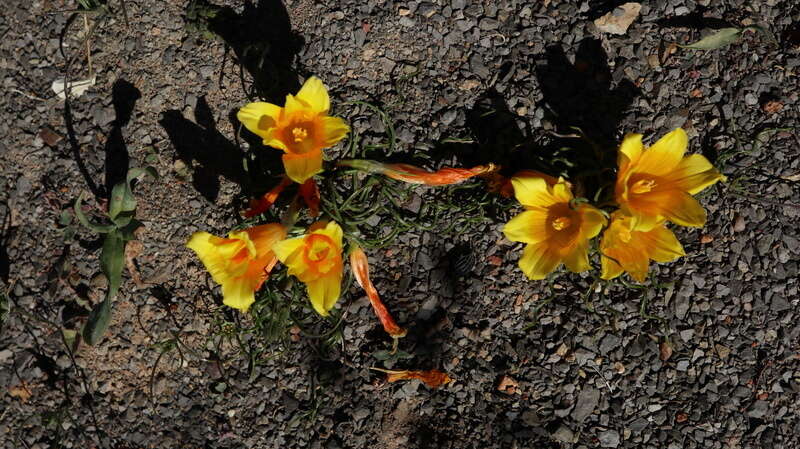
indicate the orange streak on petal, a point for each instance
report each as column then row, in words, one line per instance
column 261, row 205
column 360, row 267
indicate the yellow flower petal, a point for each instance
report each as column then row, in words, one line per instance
column 290, row 253
column 260, row 118
column 686, row 211
column 593, row 221
column 664, row 155
column 695, row 173
column 528, row 227
column 532, row 192
column 201, row 243
column 315, row 95
column 662, row 244
column 324, row 292
column 538, row 261
column 264, row 237
column 333, row 130
column 631, row 147
column 301, row 167
column 561, row 191
column 295, row 106
column 577, row 260
column 609, row 269
column 334, row 231
column 238, row 293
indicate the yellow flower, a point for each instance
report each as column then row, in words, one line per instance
column 657, row 183
column 302, row 128
column 316, row 259
column 625, row 247
column 241, row 262
column 555, row 229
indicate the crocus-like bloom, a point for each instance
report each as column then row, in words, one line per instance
column 556, row 228
column 626, row 248
column 657, row 183
column 415, row 175
column 360, row 267
column 502, row 185
column 316, row 259
column 241, row 262
column 302, row 128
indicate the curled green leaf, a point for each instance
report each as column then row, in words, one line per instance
column 85, row 221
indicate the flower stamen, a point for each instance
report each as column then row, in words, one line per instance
column 561, row 223
column 299, row 134
column 643, row 186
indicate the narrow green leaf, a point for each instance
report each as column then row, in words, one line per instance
column 721, row 38
column 764, row 136
column 98, row 322
column 128, row 230
column 112, row 259
column 85, row 221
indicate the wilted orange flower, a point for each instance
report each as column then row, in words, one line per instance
column 657, row 183
column 416, row 175
column 556, row 229
column 241, row 262
column 261, row 205
column 316, row 259
column 360, row 267
column 302, row 128
column 627, row 248
column 309, row 191
column 432, row 378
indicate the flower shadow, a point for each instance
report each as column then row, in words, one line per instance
column 123, row 97
column 263, row 42
column 204, row 150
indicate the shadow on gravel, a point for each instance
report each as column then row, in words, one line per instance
column 583, row 100
column 204, row 149
column 5, row 237
column 262, row 39
column 123, row 97
column 695, row 20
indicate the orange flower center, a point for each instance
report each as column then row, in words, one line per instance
column 561, row 223
column 319, row 252
column 299, row 134
column 643, row 186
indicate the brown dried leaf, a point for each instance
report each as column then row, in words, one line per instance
column 49, row 137
column 20, row 392
column 507, row 385
column 132, row 250
column 772, row 107
column 681, row 417
column 706, row 238
column 666, row 351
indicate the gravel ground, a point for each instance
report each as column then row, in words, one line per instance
column 708, row 359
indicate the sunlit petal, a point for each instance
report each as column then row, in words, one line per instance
column 529, row 227
column 538, row 261
column 260, row 118
column 301, row 167
column 315, row 95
